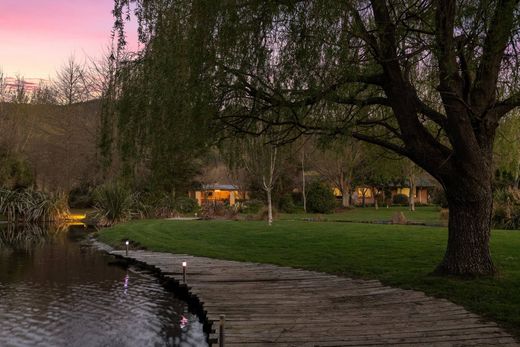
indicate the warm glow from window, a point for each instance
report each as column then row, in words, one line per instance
column 367, row 191
column 404, row 191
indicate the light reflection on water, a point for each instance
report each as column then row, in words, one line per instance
column 55, row 292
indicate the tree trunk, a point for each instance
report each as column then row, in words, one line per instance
column 375, row 195
column 345, row 198
column 468, row 253
column 269, row 208
column 345, row 194
column 412, row 196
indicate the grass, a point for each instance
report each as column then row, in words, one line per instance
column 423, row 214
column 401, row 256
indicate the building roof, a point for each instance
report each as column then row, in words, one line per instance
column 424, row 182
column 219, row 187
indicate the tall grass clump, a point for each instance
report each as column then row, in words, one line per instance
column 44, row 207
column 11, row 206
column 29, row 206
column 162, row 205
column 114, row 203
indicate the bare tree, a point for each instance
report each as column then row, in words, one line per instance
column 72, row 83
column 411, row 172
column 44, row 94
column 262, row 161
column 337, row 163
column 3, row 87
column 18, row 91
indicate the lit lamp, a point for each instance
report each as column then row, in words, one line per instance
column 127, row 243
column 184, row 264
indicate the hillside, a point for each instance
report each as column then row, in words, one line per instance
column 58, row 141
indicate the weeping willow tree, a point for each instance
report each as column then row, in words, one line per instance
column 156, row 119
column 429, row 80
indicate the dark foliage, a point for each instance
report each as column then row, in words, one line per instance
column 286, row 204
column 400, row 199
column 320, row 198
column 439, row 198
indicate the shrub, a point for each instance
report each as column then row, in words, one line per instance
column 506, row 209
column 218, row 209
column 144, row 205
column 320, row 198
column 286, row 204
column 186, row 204
column 400, row 199
column 114, row 203
column 263, row 214
column 439, row 198
column 15, row 172
column 43, row 207
column 252, row 206
column 81, row 196
column 10, row 204
column 33, row 206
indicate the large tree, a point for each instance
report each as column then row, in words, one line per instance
column 427, row 79
column 155, row 120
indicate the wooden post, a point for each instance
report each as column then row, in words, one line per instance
column 221, row 334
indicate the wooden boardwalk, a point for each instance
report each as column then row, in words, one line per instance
column 267, row 305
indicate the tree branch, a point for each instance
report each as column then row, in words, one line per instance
column 377, row 141
column 376, row 100
column 497, row 37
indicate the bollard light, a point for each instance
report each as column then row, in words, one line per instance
column 127, row 243
column 184, row 264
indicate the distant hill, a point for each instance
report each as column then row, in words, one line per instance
column 59, row 142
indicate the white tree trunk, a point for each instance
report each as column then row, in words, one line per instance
column 345, row 191
column 345, row 197
column 412, row 195
column 269, row 184
column 269, row 208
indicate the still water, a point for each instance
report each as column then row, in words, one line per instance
column 55, row 290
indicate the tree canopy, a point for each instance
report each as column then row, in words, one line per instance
column 427, row 79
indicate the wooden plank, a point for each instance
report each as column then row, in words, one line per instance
column 268, row 305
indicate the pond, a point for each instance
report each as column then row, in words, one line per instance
column 56, row 290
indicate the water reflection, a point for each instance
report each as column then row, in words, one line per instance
column 11, row 238
column 56, row 292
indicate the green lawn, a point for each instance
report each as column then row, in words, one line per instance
column 397, row 255
column 423, row 214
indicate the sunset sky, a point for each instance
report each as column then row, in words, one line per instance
column 37, row 36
